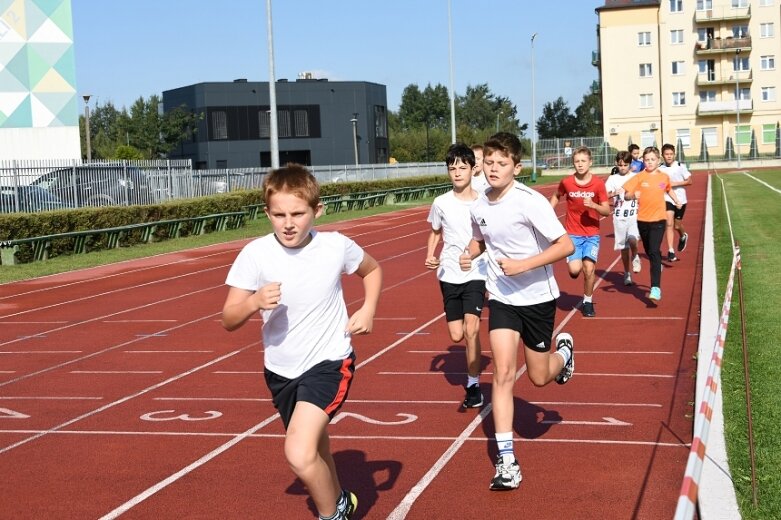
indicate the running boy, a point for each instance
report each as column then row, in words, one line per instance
column 479, row 184
column 463, row 292
column 587, row 200
column 679, row 178
column 518, row 229
column 648, row 189
column 637, row 161
column 293, row 278
column 624, row 216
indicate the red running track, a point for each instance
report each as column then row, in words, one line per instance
column 120, row 394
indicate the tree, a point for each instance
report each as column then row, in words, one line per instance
column 589, row 116
column 556, row 120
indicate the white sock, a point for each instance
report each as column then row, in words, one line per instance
column 504, row 441
column 472, row 380
column 587, row 299
column 565, row 353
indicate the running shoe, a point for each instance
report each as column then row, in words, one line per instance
column 588, row 310
column 656, row 293
column 474, row 397
column 347, row 505
column 564, row 340
column 508, row 476
column 682, row 241
column 671, row 257
column 636, row 265
column 627, row 279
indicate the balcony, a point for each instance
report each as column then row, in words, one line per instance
column 710, row 79
column 721, row 108
column 723, row 14
column 722, row 45
column 595, row 58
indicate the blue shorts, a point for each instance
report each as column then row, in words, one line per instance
column 585, row 247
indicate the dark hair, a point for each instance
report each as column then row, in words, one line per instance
column 506, row 143
column 292, row 178
column 668, row 146
column 624, row 156
column 632, row 147
column 462, row 152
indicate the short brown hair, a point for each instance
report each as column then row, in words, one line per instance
column 582, row 149
column 292, row 178
column 506, row 143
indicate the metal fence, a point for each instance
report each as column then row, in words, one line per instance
column 557, row 153
column 30, row 186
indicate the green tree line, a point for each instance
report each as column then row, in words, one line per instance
column 419, row 131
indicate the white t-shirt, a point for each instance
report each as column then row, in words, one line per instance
column 452, row 216
column 519, row 225
column 308, row 325
column 677, row 173
column 622, row 209
column 479, row 183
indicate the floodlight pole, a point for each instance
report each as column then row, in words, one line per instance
column 272, row 92
column 86, row 126
column 452, row 76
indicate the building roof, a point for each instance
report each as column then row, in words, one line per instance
column 627, row 4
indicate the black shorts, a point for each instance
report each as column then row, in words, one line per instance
column 463, row 298
column 533, row 322
column 677, row 213
column 325, row 385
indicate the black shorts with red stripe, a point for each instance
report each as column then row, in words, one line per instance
column 325, row 385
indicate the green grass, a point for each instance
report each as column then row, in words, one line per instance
column 756, row 220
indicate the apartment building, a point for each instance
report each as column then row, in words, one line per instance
column 698, row 71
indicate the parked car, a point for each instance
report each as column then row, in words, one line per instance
column 101, row 185
column 29, row 199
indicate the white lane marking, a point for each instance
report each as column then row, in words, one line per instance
column 140, row 321
column 606, row 421
column 48, row 398
column 41, row 352
column 635, row 318
column 621, row 375
column 116, row 371
column 237, row 372
column 168, row 351
column 405, row 418
column 7, row 413
column 762, row 182
column 33, row 322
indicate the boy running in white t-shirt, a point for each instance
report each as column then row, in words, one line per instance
column 519, row 232
column 463, row 292
column 625, row 230
column 680, row 177
column 293, row 278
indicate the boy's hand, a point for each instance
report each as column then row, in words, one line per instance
column 511, row 267
column 465, row 260
column 432, row 262
column 587, row 202
column 269, row 295
column 360, row 322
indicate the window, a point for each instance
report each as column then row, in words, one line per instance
column 264, row 123
column 703, row 5
column 679, row 68
column 301, row 119
column 740, row 31
column 644, row 39
column 765, row 3
column 646, row 100
column 676, row 36
column 768, row 133
column 645, row 70
column 744, row 94
column 684, row 136
column 283, row 123
column 676, row 6
column 739, row 64
column 743, row 134
column 219, row 124
column 707, row 95
column 710, row 134
column 380, row 121
column 702, row 66
column 736, row 4
column 647, row 139
column 767, row 62
column 766, row 30
column 679, row 99
column 768, row 93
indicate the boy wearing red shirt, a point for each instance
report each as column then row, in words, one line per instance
column 587, row 201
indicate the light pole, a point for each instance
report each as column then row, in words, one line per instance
column 534, row 125
column 354, row 121
column 272, row 91
column 452, row 75
column 86, row 126
column 737, row 104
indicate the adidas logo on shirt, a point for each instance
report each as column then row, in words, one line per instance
column 482, row 222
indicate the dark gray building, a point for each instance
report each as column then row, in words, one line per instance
column 315, row 122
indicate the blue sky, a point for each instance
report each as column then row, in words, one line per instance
column 131, row 49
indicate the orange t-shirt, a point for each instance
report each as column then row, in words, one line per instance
column 652, row 187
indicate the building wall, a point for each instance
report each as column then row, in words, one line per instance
column 38, row 100
column 621, row 56
column 328, row 140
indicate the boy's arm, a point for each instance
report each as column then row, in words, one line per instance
column 241, row 304
column 432, row 262
column 371, row 272
column 603, row 208
column 554, row 199
column 474, row 249
column 559, row 249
